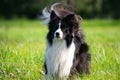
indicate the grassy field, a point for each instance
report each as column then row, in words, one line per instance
column 22, row 48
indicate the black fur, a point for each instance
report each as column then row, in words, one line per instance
column 45, row 66
column 71, row 29
column 66, row 29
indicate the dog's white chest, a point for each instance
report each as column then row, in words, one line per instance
column 59, row 58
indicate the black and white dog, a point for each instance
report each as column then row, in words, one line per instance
column 66, row 52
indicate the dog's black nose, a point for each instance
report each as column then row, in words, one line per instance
column 57, row 34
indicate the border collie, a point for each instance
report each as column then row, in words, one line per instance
column 66, row 52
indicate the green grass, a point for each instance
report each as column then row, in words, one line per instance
column 22, row 49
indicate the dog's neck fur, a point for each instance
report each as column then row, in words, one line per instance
column 59, row 58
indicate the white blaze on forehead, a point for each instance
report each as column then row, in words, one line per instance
column 59, row 24
column 59, row 30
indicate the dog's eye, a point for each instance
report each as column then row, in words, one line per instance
column 63, row 27
column 56, row 26
column 67, row 31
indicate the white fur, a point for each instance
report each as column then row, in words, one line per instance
column 45, row 17
column 59, row 31
column 59, row 59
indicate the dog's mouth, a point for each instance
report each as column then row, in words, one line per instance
column 58, row 38
column 58, row 35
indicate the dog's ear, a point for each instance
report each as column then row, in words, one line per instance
column 53, row 15
column 70, row 17
column 73, row 18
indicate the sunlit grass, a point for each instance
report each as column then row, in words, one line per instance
column 22, row 48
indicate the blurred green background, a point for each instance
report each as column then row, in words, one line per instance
column 86, row 8
column 23, row 38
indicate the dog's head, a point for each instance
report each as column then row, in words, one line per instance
column 62, row 26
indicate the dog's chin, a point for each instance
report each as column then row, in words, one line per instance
column 58, row 38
